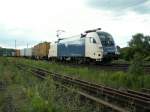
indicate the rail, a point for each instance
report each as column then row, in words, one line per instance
column 139, row 100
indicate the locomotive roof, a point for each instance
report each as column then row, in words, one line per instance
column 78, row 37
column 75, row 37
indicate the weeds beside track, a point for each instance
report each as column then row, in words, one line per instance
column 110, row 67
column 127, row 100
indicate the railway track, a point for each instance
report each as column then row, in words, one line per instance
column 121, row 101
column 110, row 67
column 145, row 90
column 124, row 67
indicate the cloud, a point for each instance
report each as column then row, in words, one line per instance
column 120, row 6
column 29, row 21
column 8, row 35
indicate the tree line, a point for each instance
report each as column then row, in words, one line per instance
column 139, row 45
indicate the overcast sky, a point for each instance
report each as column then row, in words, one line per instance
column 33, row 21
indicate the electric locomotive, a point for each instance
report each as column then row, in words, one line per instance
column 93, row 45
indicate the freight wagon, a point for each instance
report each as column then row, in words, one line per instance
column 17, row 53
column 41, row 50
column 28, row 52
column 22, row 53
column 7, row 52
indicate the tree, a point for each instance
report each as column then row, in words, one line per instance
column 126, row 53
column 139, row 44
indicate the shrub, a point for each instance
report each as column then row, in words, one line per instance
column 136, row 68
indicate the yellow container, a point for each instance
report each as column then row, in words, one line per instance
column 17, row 53
column 41, row 50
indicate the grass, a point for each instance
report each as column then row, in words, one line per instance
column 23, row 92
column 116, row 79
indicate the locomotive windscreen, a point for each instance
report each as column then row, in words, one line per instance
column 106, row 39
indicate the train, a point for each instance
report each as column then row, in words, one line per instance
column 90, row 46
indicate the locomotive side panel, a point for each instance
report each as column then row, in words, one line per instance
column 71, row 48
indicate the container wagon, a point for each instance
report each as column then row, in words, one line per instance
column 17, row 54
column 28, row 52
column 22, row 53
column 7, row 52
column 41, row 50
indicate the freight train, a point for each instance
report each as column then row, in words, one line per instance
column 39, row 51
column 91, row 46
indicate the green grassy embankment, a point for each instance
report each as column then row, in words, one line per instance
column 117, row 79
column 21, row 91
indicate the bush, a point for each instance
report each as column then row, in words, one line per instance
column 136, row 68
column 147, row 58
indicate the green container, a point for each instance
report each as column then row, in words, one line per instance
column 7, row 52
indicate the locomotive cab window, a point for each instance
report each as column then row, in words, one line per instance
column 106, row 39
column 92, row 40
